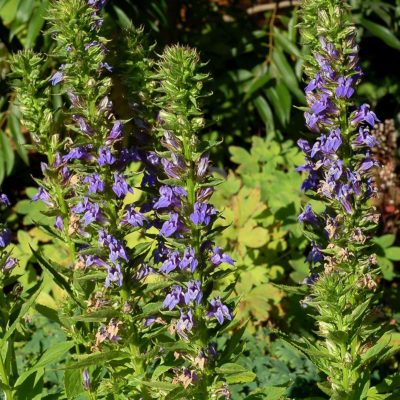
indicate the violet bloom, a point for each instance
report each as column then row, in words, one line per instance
column 56, row 78
column 171, row 226
column 5, row 237
column 364, row 138
column 219, row 310
column 9, row 265
column 189, row 260
column 95, row 260
column 83, row 125
column 185, row 324
column 115, row 246
column 308, row 216
column 91, row 211
column 96, row 184
column 4, row 200
column 174, row 298
column 202, row 165
column 105, row 157
column 193, row 293
column 114, row 274
column 79, row 153
column 202, row 213
column 43, row 195
column 106, row 66
column 218, row 257
column 344, row 88
column 364, row 114
column 59, row 223
column 121, row 187
column 316, row 83
column 170, row 169
column 86, row 379
column 171, row 263
column 315, row 255
column 115, row 133
column 133, row 217
column 367, row 163
column 169, row 197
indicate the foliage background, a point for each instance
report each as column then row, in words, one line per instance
column 254, row 58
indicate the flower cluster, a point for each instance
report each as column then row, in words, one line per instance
column 7, row 262
column 183, row 214
column 339, row 168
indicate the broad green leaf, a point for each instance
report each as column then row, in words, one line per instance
column 7, row 152
column 284, row 42
column 385, row 240
column 393, row 253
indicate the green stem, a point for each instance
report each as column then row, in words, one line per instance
column 4, row 377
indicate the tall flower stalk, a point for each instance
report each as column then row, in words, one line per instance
column 186, row 258
column 339, row 165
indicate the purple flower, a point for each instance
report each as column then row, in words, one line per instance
column 95, row 183
column 115, row 133
column 316, row 83
column 98, row 4
column 143, row 271
column 219, row 311
column 121, row 187
column 105, row 157
column 133, row 217
column 315, row 255
column 308, row 216
column 86, row 379
column 4, row 200
column 91, row 211
column 202, row 165
column 189, row 260
column 343, row 195
column 310, row 280
column 193, row 293
column 43, row 195
column 172, row 262
column 56, row 78
column 116, row 247
column 174, row 297
column 5, row 237
column 83, row 125
column 172, row 170
column 365, row 115
column 106, row 66
column 171, row 226
column 169, row 196
column 114, row 274
column 79, row 153
column 59, row 223
column 184, row 324
column 95, row 260
column 218, row 257
column 329, row 48
column 344, row 88
column 9, row 265
column 202, row 213
column 149, row 179
column 364, row 138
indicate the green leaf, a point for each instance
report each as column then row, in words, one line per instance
column 33, row 293
column 283, row 41
column 382, row 33
column 96, row 359
column 73, row 383
column 7, row 153
column 235, row 373
column 18, row 137
column 54, row 353
column 385, row 240
column 35, row 25
column 257, row 83
column 393, row 253
column 265, row 112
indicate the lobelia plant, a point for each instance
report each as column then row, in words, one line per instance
column 142, row 320
column 343, row 279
